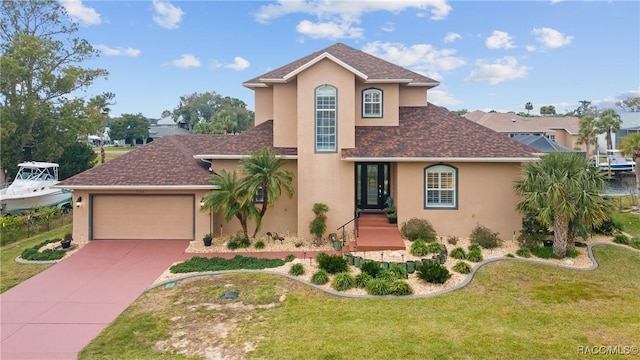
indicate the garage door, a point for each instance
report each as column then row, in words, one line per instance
column 142, row 217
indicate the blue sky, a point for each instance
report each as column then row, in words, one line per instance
column 486, row 54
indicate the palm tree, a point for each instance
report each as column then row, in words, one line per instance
column 609, row 122
column 528, row 106
column 263, row 172
column 564, row 191
column 230, row 198
column 588, row 132
column 630, row 146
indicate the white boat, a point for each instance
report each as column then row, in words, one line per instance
column 615, row 161
column 31, row 189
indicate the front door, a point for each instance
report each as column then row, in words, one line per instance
column 372, row 185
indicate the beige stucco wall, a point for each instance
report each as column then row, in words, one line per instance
column 485, row 197
column 285, row 115
column 390, row 102
column 81, row 214
column 264, row 105
column 280, row 218
column 413, row 96
column 323, row 177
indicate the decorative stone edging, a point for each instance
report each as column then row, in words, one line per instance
column 36, row 262
column 463, row 284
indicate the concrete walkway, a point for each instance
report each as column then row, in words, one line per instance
column 56, row 313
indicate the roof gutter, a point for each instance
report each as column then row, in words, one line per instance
column 237, row 157
column 135, row 187
column 441, row 159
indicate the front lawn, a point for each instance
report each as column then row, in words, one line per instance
column 13, row 273
column 510, row 310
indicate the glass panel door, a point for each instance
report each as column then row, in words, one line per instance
column 373, row 187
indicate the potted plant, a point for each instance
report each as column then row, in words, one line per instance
column 335, row 243
column 207, row 239
column 66, row 240
column 392, row 215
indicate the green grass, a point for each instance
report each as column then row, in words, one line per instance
column 13, row 273
column 510, row 310
column 630, row 223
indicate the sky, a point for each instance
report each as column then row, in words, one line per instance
column 487, row 55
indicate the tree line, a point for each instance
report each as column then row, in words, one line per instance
column 42, row 114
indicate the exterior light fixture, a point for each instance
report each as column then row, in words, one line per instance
column 202, row 202
column 78, row 201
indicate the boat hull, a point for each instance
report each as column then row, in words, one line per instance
column 16, row 204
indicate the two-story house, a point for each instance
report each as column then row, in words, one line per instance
column 354, row 129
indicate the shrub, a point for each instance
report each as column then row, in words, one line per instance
column 474, row 247
column 458, row 253
column 621, row 238
column 400, row 288
column 68, row 236
column 201, row 264
column 33, row 254
column 462, row 267
column 332, row 264
column 377, row 287
column 244, row 242
column 371, row 268
column 418, row 248
column 233, row 244
column 546, row 252
column 259, row 244
column 433, row 273
column 474, row 255
column 289, row 258
column 343, row 282
column 414, row 229
column 524, row 252
column 533, row 232
column 296, row 269
column 436, row 248
column 635, row 243
column 362, row 279
column 453, row 240
column 609, row 227
column 318, row 225
column 320, row 277
column 484, row 237
column 509, row 255
column 399, row 271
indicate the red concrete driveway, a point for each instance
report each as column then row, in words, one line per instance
column 59, row 311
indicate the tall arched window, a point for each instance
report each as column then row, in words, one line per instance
column 326, row 119
column 372, row 103
column 441, row 187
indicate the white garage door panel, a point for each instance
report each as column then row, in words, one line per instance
column 142, row 217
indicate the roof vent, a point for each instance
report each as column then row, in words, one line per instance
column 513, row 120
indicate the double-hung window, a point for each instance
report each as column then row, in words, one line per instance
column 326, row 119
column 441, row 187
column 372, row 103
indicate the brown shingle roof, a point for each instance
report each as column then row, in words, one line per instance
column 512, row 123
column 169, row 161
column 372, row 67
column 433, row 132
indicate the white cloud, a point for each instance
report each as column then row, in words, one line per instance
column 388, row 27
column 531, row 48
column 442, row 98
column 501, row 70
column 499, row 40
column 451, row 37
column 238, row 64
column 166, row 15
column 80, row 13
column 118, row 51
column 186, row 61
column 421, row 58
column 334, row 18
column 551, row 38
column 328, row 30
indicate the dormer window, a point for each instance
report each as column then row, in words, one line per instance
column 326, row 119
column 372, row 103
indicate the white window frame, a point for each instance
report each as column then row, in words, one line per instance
column 441, row 184
column 371, row 97
column 326, row 119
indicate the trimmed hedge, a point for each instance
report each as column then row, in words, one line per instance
column 33, row 254
column 200, row 264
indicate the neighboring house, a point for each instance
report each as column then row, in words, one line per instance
column 165, row 127
column 354, row 130
column 630, row 124
column 542, row 143
column 562, row 130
